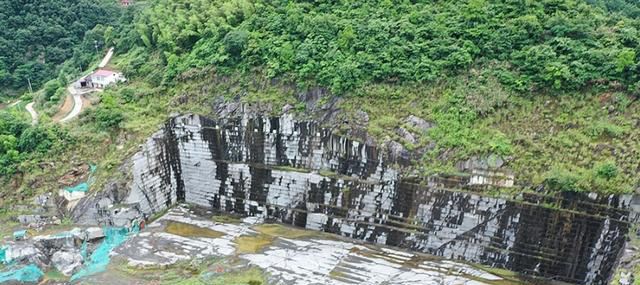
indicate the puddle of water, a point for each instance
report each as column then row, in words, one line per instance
column 187, row 230
column 226, row 219
column 55, row 276
column 267, row 234
column 276, row 230
column 253, row 244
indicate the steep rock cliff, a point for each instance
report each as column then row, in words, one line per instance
column 301, row 174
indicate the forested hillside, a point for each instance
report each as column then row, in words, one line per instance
column 36, row 37
column 529, row 45
column 550, row 87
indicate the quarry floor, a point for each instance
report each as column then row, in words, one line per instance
column 189, row 246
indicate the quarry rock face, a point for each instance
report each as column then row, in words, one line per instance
column 301, row 174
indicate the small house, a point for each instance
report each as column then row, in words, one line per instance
column 103, row 77
column 100, row 79
column 126, row 3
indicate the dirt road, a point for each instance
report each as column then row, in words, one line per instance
column 33, row 113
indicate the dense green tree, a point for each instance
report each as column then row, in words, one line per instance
column 20, row 141
column 548, row 44
column 37, row 36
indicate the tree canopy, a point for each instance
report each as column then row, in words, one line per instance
column 36, row 37
column 559, row 45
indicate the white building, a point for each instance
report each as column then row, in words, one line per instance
column 101, row 78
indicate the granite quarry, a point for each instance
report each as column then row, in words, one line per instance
column 344, row 213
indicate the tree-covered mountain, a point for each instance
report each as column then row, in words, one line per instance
column 36, row 37
column 550, row 87
column 555, row 45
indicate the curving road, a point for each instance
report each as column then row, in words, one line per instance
column 77, row 104
column 32, row 112
column 14, row 103
column 106, row 58
column 77, row 94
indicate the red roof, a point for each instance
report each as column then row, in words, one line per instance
column 104, row 72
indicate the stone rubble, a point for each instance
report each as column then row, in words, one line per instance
column 67, row 261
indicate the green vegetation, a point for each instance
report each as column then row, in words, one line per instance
column 549, row 86
column 528, row 45
column 41, row 39
column 475, row 70
column 21, row 142
column 195, row 272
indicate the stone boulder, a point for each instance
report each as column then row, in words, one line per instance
column 94, row 233
column 418, row 123
column 488, row 162
column 287, row 108
column 44, row 201
column 29, row 219
column 67, row 261
column 361, row 118
column 406, row 135
column 626, row 278
column 397, row 152
column 25, row 253
column 52, row 243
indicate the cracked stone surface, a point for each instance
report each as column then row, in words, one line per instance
column 312, row 260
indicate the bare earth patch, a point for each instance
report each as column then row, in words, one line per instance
column 65, row 109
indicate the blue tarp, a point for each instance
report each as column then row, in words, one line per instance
column 82, row 187
column 21, row 234
column 29, row 273
column 3, row 254
column 99, row 259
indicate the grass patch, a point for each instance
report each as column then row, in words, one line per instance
column 54, row 275
column 251, row 276
column 210, row 271
column 187, row 230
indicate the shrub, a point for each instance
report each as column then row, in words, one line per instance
column 108, row 115
column 561, row 179
column 607, row 170
column 50, row 88
column 604, row 128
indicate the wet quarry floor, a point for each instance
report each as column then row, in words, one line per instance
column 185, row 247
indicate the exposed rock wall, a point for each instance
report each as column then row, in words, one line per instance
column 298, row 173
column 157, row 181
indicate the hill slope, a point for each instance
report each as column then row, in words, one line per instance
column 548, row 87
